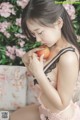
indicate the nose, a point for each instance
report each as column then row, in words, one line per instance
column 38, row 39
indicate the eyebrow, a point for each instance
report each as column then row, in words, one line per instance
column 36, row 29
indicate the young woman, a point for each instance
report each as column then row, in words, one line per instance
column 49, row 23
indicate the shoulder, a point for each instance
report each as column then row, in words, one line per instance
column 68, row 67
column 68, row 59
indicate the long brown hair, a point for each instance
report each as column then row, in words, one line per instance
column 46, row 12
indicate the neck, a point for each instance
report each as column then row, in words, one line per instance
column 62, row 43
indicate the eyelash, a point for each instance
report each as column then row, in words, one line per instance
column 40, row 33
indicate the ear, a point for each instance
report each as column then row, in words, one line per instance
column 60, row 22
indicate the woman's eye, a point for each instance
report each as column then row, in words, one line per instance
column 40, row 33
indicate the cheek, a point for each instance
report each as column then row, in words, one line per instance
column 57, row 35
column 51, row 36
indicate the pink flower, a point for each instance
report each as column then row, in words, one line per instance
column 22, row 3
column 3, row 27
column 10, row 52
column 21, row 43
column 11, row 56
column 19, row 52
column 18, row 22
column 6, row 9
column 11, row 49
column 18, row 35
column 6, row 34
column 71, row 10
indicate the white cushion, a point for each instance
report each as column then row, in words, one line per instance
column 13, row 87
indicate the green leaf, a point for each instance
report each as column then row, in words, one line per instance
column 30, row 45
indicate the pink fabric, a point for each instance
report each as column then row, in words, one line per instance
column 46, row 114
column 72, row 112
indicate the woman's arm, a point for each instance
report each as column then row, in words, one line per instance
column 67, row 76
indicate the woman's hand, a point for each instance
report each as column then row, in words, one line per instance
column 26, row 58
column 35, row 65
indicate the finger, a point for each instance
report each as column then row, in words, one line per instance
column 42, row 58
column 34, row 55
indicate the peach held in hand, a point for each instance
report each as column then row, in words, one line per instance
column 45, row 51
